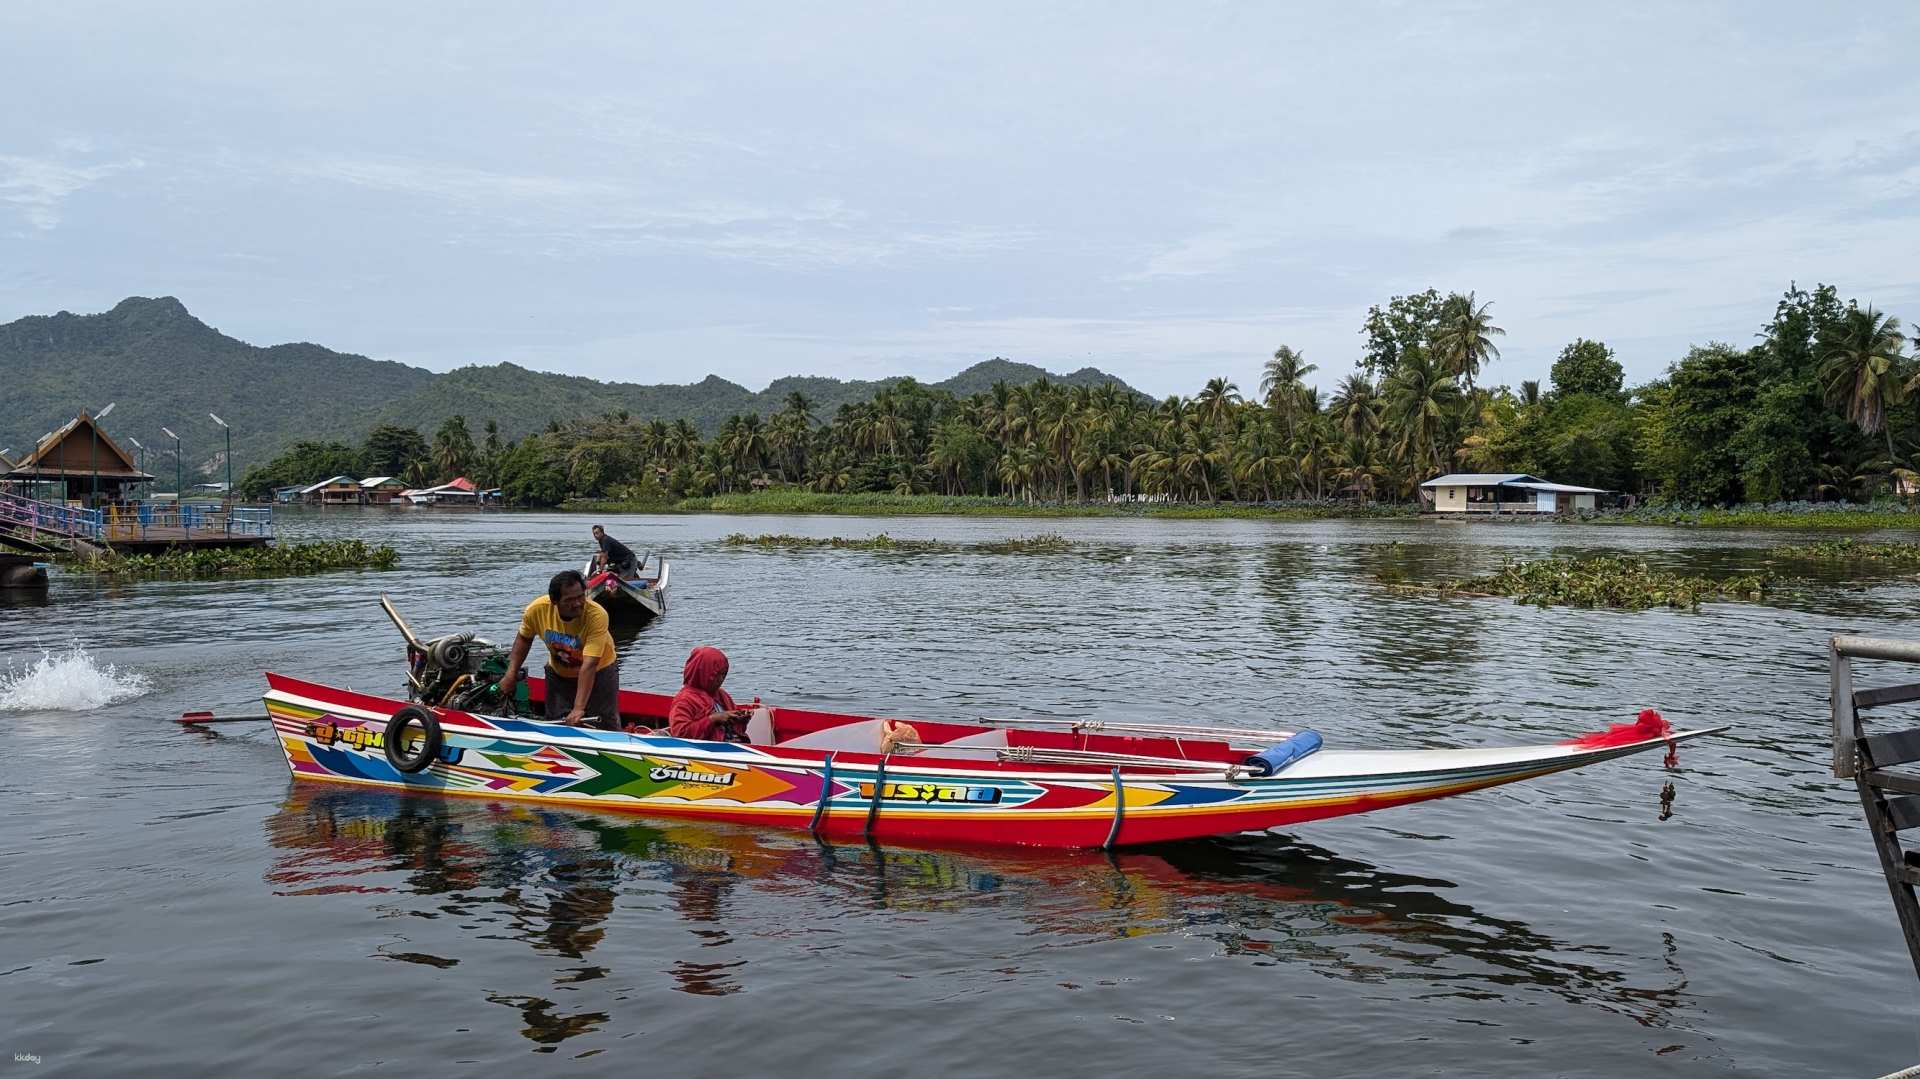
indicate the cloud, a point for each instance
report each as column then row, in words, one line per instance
column 570, row 216
column 37, row 187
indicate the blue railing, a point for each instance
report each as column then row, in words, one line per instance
column 21, row 514
column 153, row 522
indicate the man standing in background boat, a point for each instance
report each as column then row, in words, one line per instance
column 614, row 555
column 583, row 669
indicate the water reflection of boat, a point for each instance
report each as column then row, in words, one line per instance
column 1005, row 784
column 558, row 876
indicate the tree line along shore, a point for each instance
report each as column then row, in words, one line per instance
column 1814, row 424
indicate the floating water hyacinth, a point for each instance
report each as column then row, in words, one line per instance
column 278, row 561
column 69, row 681
column 1046, row 543
column 1892, row 555
column 1605, row 581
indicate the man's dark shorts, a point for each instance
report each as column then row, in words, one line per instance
column 603, row 700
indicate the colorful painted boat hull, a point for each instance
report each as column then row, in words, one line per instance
column 335, row 735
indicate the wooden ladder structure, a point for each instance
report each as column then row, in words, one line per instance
column 1889, row 791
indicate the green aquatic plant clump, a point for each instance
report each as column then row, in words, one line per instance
column 1048, row 543
column 881, row 542
column 1605, row 581
column 276, row 561
column 1901, row 555
column 1045, row 543
column 1822, row 516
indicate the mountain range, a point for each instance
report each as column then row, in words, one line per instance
column 162, row 367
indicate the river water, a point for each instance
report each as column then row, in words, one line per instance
column 174, row 903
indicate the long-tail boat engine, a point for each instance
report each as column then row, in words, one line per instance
column 462, row 671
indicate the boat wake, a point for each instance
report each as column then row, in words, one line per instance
column 69, row 681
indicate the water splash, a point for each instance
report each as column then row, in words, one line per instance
column 69, row 681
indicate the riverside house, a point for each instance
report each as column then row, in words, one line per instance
column 332, row 491
column 1504, row 492
column 380, row 490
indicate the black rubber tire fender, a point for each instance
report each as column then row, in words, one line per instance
column 430, row 744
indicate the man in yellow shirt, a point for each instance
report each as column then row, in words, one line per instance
column 583, row 670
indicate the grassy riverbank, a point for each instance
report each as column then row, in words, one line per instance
column 284, row 560
column 1801, row 515
column 881, row 504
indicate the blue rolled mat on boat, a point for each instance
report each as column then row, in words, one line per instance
column 1276, row 757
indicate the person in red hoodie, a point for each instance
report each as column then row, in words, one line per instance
column 702, row 709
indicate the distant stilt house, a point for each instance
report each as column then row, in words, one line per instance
column 458, row 491
column 78, row 461
column 332, row 491
column 380, row 490
column 1505, row 492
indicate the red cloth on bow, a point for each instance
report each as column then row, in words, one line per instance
column 698, row 709
column 1644, row 729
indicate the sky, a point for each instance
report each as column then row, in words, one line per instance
column 653, row 193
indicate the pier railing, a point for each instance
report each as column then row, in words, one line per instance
column 1879, row 765
column 35, row 519
column 147, row 521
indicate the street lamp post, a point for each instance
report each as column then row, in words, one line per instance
column 229, row 431
column 93, row 427
column 142, row 451
column 176, row 465
column 228, row 514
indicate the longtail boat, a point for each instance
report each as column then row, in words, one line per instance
column 1041, row 783
column 629, row 601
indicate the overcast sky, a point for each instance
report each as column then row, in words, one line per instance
column 1164, row 191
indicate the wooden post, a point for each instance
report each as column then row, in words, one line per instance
column 1846, row 719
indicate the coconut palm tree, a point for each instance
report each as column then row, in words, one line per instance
column 1155, row 467
column 1216, row 402
column 1862, row 372
column 1193, row 464
column 683, row 442
column 1017, row 468
column 453, row 447
column 1283, row 381
column 799, row 405
column 749, row 443
column 1421, row 399
column 1355, row 407
column 1464, row 338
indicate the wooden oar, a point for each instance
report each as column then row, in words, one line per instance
column 197, row 718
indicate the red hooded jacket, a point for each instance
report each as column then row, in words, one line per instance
column 697, row 708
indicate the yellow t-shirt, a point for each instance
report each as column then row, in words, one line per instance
column 568, row 642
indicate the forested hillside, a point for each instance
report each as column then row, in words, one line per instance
column 162, row 367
